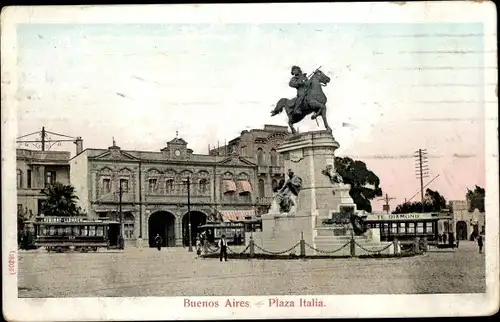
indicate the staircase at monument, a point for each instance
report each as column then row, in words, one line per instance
column 328, row 239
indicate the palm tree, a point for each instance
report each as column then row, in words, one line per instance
column 61, row 201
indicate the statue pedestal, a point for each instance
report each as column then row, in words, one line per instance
column 308, row 155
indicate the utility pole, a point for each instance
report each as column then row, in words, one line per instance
column 43, row 138
column 422, row 171
column 122, row 228
column 386, row 206
column 190, row 249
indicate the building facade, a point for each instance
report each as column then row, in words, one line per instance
column 36, row 170
column 260, row 145
column 467, row 224
column 156, row 188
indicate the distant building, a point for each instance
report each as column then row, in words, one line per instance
column 467, row 224
column 35, row 171
column 154, row 196
column 260, row 145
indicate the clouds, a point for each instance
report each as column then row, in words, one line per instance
column 141, row 83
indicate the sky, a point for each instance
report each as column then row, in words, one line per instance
column 395, row 88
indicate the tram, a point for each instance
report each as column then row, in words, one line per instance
column 406, row 227
column 78, row 233
column 234, row 231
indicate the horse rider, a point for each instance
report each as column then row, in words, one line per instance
column 298, row 81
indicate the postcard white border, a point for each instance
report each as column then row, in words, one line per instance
column 153, row 308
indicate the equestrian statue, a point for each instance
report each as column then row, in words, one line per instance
column 310, row 98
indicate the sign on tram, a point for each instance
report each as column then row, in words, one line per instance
column 399, row 217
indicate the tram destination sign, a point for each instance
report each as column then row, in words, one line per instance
column 52, row 219
column 399, row 217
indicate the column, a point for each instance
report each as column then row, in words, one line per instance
column 178, row 230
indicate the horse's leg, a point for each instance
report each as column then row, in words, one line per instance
column 319, row 109
column 290, row 124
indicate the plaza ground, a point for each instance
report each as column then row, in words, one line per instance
column 176, row 272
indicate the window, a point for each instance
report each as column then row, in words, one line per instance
column 274, row 185
column 19, row 179
column 262, row 191
column 128, row 226
column 28, row 173
column 100, row 231
column 411, row 228
column 203, row 184
column 394, row 228
column 184, row 186
column 402, row 228
column 169, row 186
column 124, row 185
column 420, row 228
column 152, row 185
column 274, row 157
column 260, row 156
column 429, row 227
column 106, row 185
column 50, row 177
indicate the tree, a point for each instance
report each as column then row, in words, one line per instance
column 475, row 198
column 365, row 185
column 61, row 201
column 433, row 202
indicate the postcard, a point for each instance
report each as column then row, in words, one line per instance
column 249, row 161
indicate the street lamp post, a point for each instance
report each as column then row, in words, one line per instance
column 190, row 249
column 122, row 228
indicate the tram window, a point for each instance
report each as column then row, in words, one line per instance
column 429, row 227
column 411, row 228
column 76, row 231
column 420, row 227
column 394, row 228
column 43, row 231
column 92, row 231
column 60, row 231
column 52, row 231
column 85, row 231
column 67, row 230
column 402, row 228
column 100, row 231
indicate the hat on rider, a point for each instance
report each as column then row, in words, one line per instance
column 296, row 67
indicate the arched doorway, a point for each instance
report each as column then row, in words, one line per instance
column 163, row 224
column 198, row 218
column 461, row 230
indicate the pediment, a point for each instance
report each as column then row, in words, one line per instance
column 236, row 161
column 121, row 155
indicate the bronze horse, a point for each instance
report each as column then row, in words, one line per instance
column 314, row 102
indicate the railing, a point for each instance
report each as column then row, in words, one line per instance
column 263, row 169
column 277, row 170
column 416, row 248
column 264, row 200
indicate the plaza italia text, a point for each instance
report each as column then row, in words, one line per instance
column 271, row 302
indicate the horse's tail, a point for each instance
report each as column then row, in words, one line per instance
column 279, row 106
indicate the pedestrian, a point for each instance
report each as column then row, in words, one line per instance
column 480, row 243
column 444, row 238
column 158, row 241
column 452, row 240
column 223, row 248
column 458, row 241
column 198, row 246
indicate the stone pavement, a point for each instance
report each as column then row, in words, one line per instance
column 176, row 272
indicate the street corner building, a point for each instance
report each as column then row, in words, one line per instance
column 154, row 187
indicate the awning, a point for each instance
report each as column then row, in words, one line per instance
column 236, row 215
column 244, row 186
column 228, row 186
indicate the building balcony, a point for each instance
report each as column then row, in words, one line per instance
column 277, row 171
column 263, row 169
column 236, row 199
column 266, row 201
